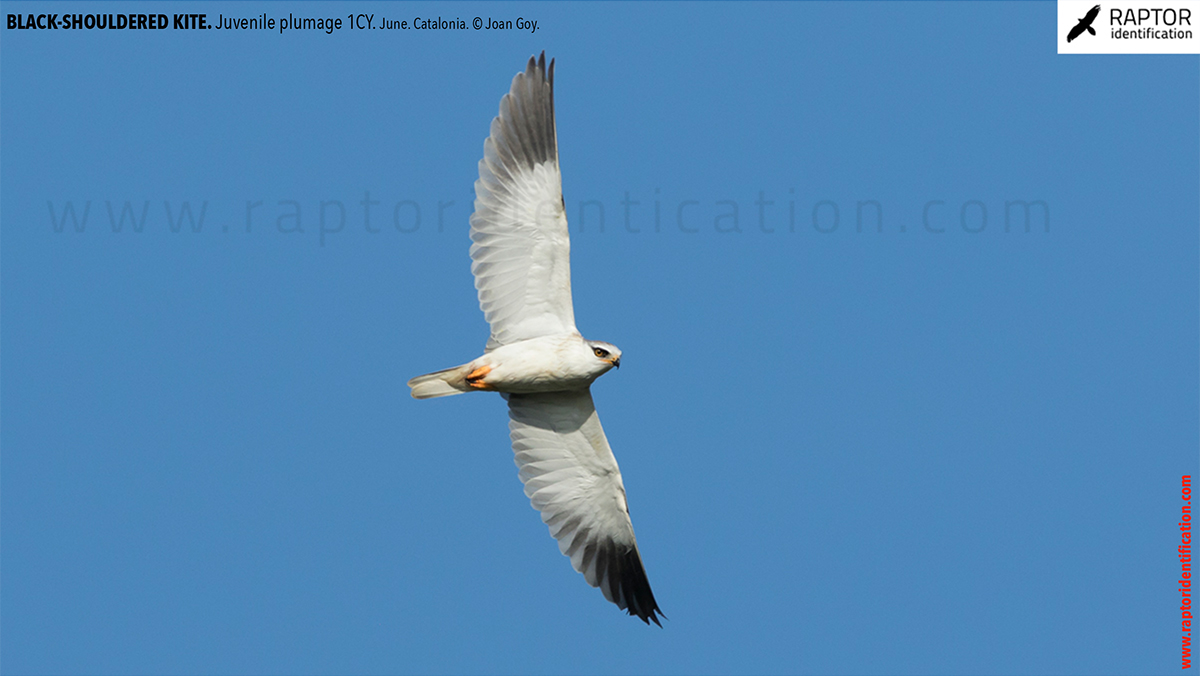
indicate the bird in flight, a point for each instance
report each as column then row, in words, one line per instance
column 536, row 358
column 1085, row 24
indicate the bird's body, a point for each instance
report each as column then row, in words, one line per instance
column 535, row 357
column 555, row 363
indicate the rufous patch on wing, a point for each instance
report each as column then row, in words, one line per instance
column 475, row 378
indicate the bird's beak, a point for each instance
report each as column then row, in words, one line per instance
column 616, row 361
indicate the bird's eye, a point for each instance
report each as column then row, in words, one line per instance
column 600, row 353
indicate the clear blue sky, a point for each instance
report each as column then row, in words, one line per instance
column 940, row 448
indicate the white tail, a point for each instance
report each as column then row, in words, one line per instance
column 441, row 383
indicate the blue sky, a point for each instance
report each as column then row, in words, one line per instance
column 935, row 445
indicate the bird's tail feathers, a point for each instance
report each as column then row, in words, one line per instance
column 441, row 383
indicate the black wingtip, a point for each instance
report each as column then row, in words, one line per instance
column 634, row 588
column 537, row 66
column 652, row 617
column 649, row 615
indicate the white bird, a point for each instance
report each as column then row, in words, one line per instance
column 536, row 358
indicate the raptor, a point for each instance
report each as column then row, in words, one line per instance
column 536, row 358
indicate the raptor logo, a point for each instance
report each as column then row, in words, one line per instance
column 1085, row 24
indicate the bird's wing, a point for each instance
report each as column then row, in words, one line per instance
column 1075, row 32
column 572, row 478
column 521, row 251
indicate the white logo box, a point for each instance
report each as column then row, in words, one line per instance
column 1129, row 27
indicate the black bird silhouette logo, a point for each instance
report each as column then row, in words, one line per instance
column 1085, row 24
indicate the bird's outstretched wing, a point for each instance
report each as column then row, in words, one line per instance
column 521, row 251
column 572, row 478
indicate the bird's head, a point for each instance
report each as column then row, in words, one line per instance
column 606, row 352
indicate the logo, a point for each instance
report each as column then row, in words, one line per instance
column 1085, row 24
column 1127, row 27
